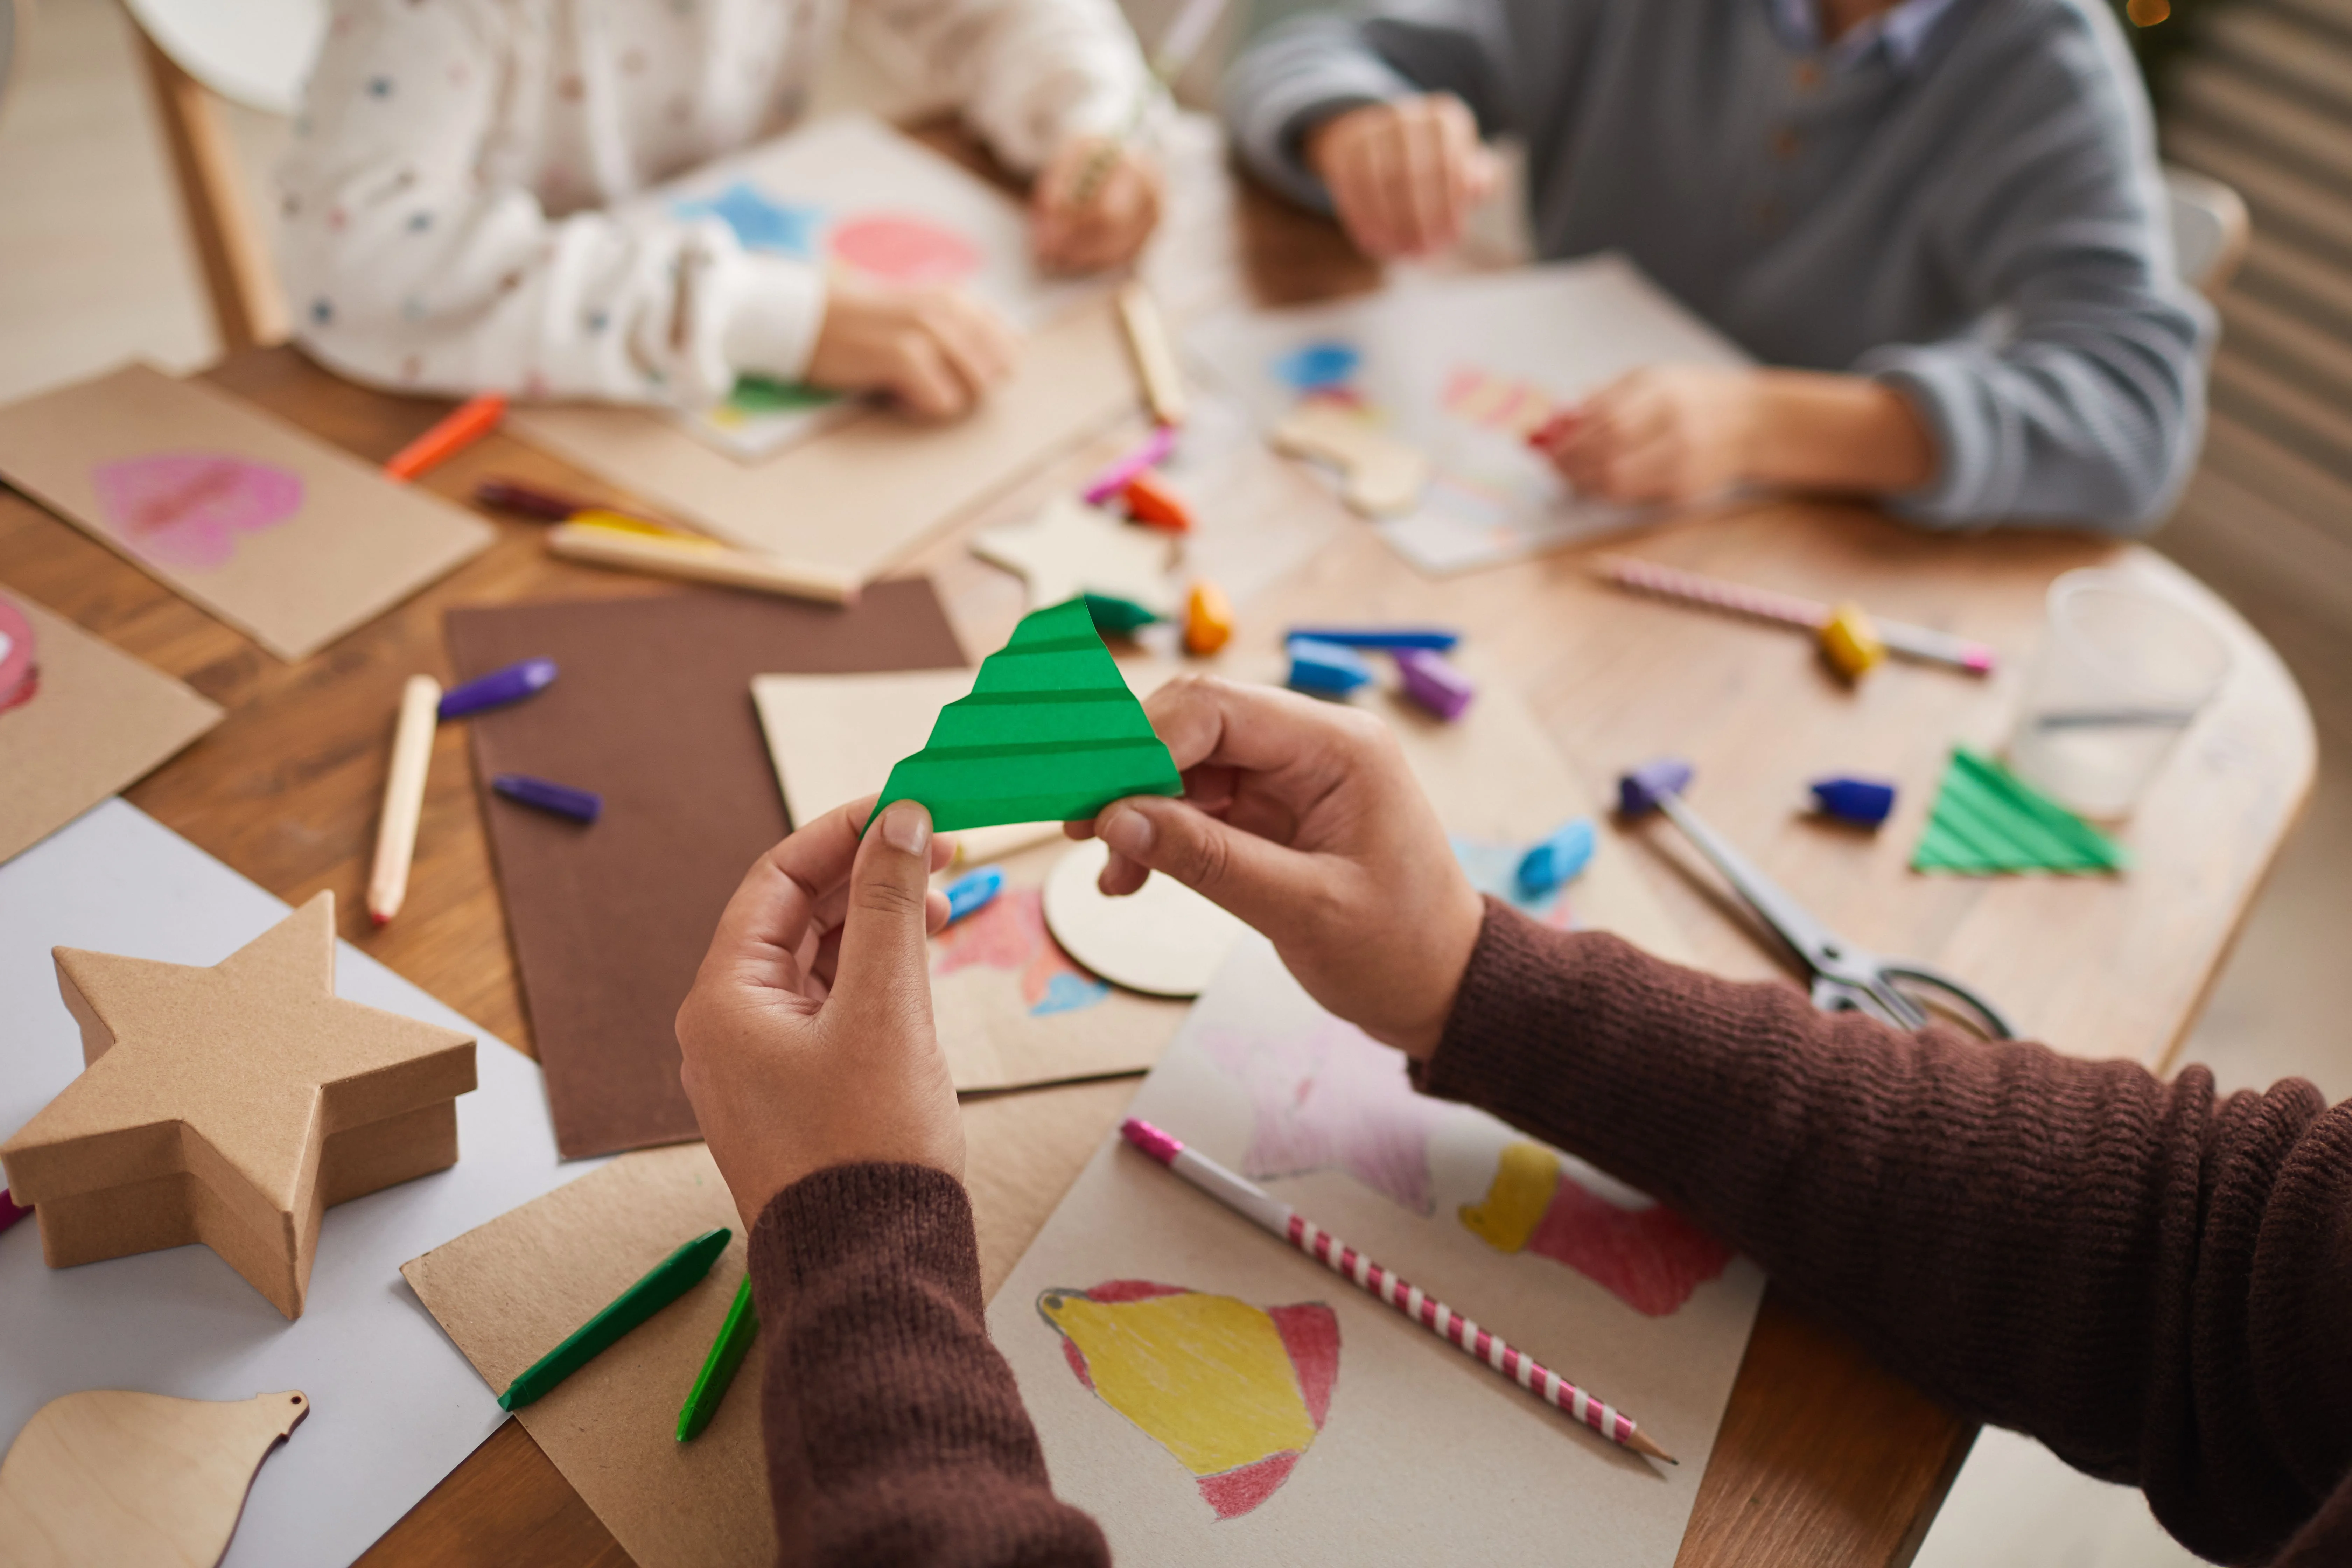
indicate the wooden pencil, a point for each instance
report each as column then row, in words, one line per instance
column 700, row 561
column 1484, row 1346
column 404, row 796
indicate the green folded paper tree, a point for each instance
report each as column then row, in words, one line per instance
column 1049, row 733
column 1986, row 821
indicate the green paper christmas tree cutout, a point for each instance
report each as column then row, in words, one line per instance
column 1986, row 821
column 1049, row 733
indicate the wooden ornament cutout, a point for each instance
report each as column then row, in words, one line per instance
column 1070, row 548
column 1382, row 476
column 232, row 1105
column 1163, row 940
column 108, row 1476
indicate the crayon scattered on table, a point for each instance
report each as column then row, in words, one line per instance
column 453, row 433
column 623, row 522
column 1153, row 502
column 1155, row 357
column 1114, row 479
column 1867, row 802
column 973, row 890
column 528, row 500
column 1116, row 617
column 1270, row 1214
column 1850, row 641
column 500, row 687
column 719, row 1367
column 580, row 804
column 403, row 797
column 663, row 1283
column 698, row 560
column 1638, row 791
column 1208, row 619
column 1920, row 643
column 1559, row 859
column 1326, row 668
column 1433, row 683
column 1387, row 639
column 11, row 1211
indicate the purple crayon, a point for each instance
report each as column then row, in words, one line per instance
column 580, row 804
column 498, row 688
column 1433, row 683
column 1865, row 802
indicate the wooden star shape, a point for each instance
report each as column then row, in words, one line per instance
column 232, row 1105
column 1070, row 548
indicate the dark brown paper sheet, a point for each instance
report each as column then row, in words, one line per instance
column 653, row 710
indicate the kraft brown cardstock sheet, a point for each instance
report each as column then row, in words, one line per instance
column 285, row 538
column 78, row 720
column 653, row 710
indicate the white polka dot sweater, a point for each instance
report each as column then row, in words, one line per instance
column 443, row 206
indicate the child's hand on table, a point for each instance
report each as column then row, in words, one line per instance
column 1666, row 433
column 1405, row 176
column 1076, row 229
column 807, row 1037
column 1303, row 819
column 936, row 350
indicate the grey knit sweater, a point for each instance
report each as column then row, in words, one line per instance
column 1978, row 222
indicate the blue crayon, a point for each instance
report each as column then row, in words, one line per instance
column 1327, row 669
column 1557, row 858
column 1864, row 800
column 580, row 804
column 500, row 687
column 1388, row 639
column 973, row 890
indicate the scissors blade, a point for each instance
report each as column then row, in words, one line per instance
column 1831, row 994
column 1813, row 941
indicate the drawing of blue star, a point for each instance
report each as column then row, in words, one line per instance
column 760, row 223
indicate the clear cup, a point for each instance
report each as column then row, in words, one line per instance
column 2122, row 673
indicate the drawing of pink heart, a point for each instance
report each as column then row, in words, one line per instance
column 186, row 508
column 906, row 250
column 20, row 669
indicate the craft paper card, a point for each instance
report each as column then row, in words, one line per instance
column 610, row 920
column 1210, row 1394
column 1465, row 369
column 78, row 720
column 855, row 197
column 394, row 1406
column 286, row 539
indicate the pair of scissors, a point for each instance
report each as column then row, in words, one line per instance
column 1845, row 978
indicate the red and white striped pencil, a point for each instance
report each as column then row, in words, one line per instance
column 1922, row 643
column 1269, row 1213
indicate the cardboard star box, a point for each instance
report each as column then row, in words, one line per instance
column 232, row 1105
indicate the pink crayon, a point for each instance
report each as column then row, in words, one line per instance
column 11, row 1211
column 1269, row 1213
column 1922, row 643
column 1119, row 475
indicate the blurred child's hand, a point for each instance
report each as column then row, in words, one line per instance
column 807, row 1038
column 1404, row 175
column 1669, row 433
column 1094, row 205
column 936, row 350
column 1302, row 818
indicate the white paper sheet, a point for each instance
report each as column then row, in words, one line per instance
column 1465, row 369
column 394, row 1405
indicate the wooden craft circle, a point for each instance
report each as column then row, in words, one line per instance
column 1163, row 941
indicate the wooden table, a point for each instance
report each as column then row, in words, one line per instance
column 1823, row 1457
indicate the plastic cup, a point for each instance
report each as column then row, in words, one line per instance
column 2122, row 673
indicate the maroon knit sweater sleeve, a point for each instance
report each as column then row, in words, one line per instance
column 895, row 1432
column 2154, row 1280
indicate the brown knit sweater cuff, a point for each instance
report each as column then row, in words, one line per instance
column 878, row 1220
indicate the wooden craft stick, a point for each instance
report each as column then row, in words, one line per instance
column 1263, row 1209
column 456, row 431
column 632, row 551
column 719, row 1368
column 404, row 796
column 1155, row 357
column 663, row 1283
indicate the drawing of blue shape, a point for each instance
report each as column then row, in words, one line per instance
column 1067, row 994
column 1317, row 366
column 1494, row 869
column 760, row 223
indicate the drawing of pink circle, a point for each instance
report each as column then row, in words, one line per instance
column 186, row 508
column 20, row 669
column 906, row 250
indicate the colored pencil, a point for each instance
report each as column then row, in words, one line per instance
column 703, row 562
column 719, row 1367
column 1270, row 1214
column 663, row 1283
column 1921, row 643
column 1178, row 45
column 404, row 796
column 1155, row 358
column 458, row 429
